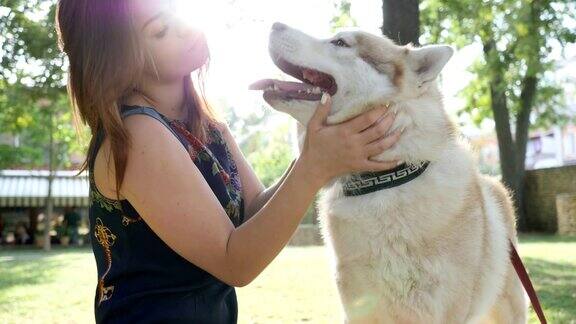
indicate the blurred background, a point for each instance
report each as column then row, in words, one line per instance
column 511, row 86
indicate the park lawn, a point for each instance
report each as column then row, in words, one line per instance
column 59, row 286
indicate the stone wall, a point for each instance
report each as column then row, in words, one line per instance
column 566, row 206
column 541, row 188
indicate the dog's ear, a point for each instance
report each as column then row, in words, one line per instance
column 428, row 61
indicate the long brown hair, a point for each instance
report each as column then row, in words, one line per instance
column 106, row 64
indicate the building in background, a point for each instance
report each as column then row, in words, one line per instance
column 23, row 199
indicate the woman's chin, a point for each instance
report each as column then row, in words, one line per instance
column 197, row 63
column 198, row 56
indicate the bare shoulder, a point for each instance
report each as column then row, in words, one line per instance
column 150, row 139
column 144, row 133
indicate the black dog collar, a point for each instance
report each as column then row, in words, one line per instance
column 366, row 182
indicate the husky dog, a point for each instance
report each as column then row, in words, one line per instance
column 432, row 248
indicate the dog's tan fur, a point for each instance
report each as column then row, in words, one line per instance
column 511, row 303
column 469, row 231
column 433, row 250
column 393, row 64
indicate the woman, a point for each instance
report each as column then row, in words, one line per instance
column 180, row 219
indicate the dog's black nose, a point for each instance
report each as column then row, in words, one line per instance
column 277, row 26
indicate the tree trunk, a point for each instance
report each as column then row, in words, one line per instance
column 511, row 175
column 49, row 200
column 527, row 97
column 401, row 21
column 33, row 221
column 512, row 153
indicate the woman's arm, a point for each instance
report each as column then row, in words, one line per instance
column 171, row 195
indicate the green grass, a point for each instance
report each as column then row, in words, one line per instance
column 59, row 286
column 551, row 263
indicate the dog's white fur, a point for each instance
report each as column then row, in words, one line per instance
column 434, row 250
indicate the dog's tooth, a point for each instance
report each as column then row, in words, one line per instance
column 316, row 90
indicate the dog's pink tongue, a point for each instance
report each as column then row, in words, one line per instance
column 261, row 84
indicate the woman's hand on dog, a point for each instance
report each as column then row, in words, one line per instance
column 333, row 150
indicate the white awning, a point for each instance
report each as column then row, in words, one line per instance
column 29, row 188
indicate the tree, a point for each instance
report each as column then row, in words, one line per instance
column 343, row 18
column 265, row 142
column 512, row 84
column 32, row 71
column 33, row 104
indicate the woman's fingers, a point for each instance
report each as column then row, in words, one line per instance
column 380, row 165
column 321, row 113
column 363, row 121
column 348, row 146
column 383, row 144
column 379, row 129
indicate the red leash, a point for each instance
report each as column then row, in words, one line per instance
column 523, row 275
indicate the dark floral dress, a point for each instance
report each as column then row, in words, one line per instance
column 140, row 278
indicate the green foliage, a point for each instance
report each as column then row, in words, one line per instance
column 343, row 18
column 274, row 155
column 267, row 147
column 32, row 70
column 520, row 34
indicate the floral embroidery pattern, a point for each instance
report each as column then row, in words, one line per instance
column 104, row 202
column 217, row 136
column 199, row 152
column 109, row 204
column 127, row 220
column 105, row 238
column 232, row 184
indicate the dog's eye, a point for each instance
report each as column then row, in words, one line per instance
column 339, row 42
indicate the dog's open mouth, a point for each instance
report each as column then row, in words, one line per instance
column 313, row 83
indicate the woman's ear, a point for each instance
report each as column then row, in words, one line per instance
column 428, row 61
